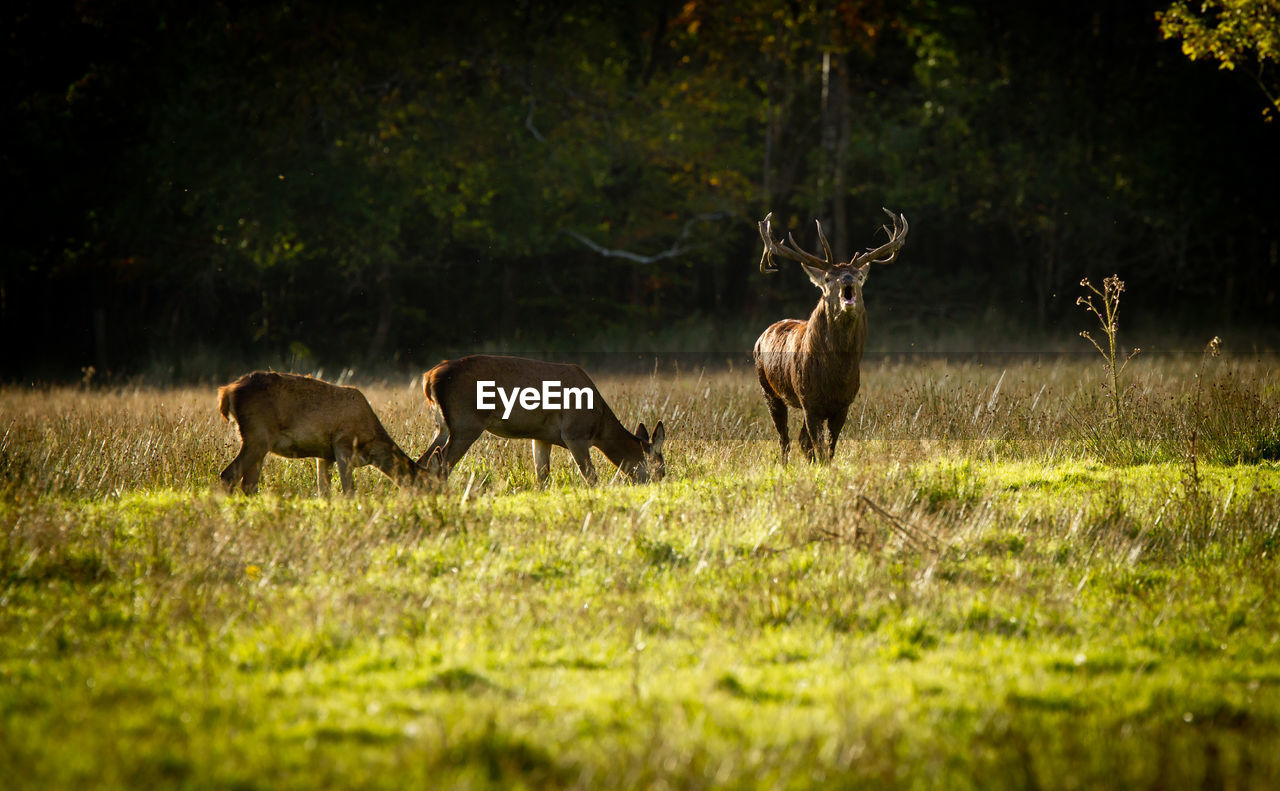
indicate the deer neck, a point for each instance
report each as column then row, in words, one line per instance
column 394, row 462
column 833, row 331
column 618, row 445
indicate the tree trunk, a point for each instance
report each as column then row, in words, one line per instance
column 835, row 135
column 386, row 311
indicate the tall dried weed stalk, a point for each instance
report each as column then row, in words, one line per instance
column 1109, row 299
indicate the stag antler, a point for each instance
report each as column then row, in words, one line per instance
column 896, row 238
column 772, row 248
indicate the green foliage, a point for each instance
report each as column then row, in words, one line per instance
column 384, row 184
column 1243, row 33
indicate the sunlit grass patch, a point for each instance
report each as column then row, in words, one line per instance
column 968, row 595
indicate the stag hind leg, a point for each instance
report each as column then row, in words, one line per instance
column 778, row 411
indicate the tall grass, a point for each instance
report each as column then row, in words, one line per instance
column 969, row 596
column 94, row 443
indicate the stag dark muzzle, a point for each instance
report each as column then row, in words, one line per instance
column 848, row 295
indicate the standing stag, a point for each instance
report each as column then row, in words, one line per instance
column 813, row 365
column 300, row 417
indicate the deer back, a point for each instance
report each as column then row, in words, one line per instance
column 480, row 393
column 309, row 412
column 477, row 391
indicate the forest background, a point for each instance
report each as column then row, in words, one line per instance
column 207, row 186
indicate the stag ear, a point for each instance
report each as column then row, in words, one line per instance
column 818, row 276
column 642, row 433
column 659, row 434
column 862, row 272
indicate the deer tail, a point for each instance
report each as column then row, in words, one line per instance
column 430, row 382
column 225, row 406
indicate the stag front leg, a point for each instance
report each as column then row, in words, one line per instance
column 834, row 424
column 811, row 436
column 806, row 442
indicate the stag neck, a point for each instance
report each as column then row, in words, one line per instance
column 834, row 331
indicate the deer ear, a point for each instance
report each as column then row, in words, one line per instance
column 642, row 433
column 862, row 272
column 659, row 434
column 818, row 276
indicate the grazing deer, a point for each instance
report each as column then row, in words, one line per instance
column 813, row 365
column 549, row 403
column 300, row 417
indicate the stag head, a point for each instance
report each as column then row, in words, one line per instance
column 841, row 283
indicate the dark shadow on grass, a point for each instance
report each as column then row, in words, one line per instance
column 460, row 679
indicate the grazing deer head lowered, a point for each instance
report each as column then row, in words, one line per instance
column 813, row 365
column 475, row 394
column 300, row 417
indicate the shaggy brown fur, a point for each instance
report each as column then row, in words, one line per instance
column 813, row 366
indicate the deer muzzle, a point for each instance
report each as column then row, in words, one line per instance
column 848, row 296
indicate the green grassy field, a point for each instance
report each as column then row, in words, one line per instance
column 992, row 586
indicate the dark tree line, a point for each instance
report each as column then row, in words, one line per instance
column 330, row 181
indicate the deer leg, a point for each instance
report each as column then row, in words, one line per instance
column 778, row 411
column 247, row 461
column 231, row 475
column 433, row 463
column 806, row 442
column 323, row 476
column 542, row 461
column 252, row 474
column 455, row 448
column 581, row 450
column 344, row 454
column 834, row 424
column 436, row 450
column 811, row 436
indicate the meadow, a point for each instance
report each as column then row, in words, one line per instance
column 995, row 584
